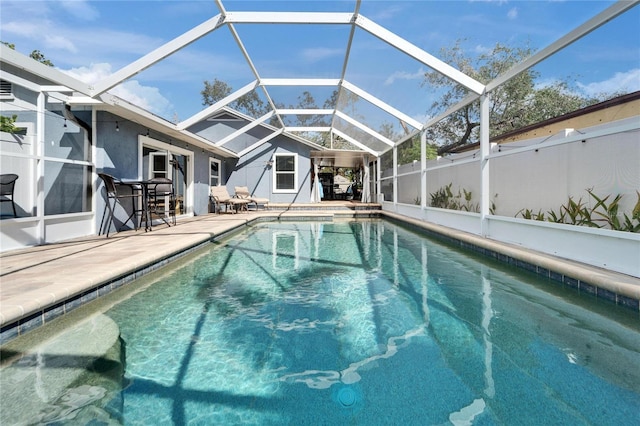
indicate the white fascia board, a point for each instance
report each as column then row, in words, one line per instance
column 419, row 54
column 245, row 129
column 382, row 105
column 288, row 18
column 299, row 82
column 208, row 145
column 74, row 100
column 579, row 32
column 307, row 129
column 55, row 88
column 364, row 128
column 354, row 142
column 218, row 105
column 128, row 111
column 310, row 111
column 158, row 54
column 260, row 142
column 18, row 60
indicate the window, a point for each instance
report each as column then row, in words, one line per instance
column 285, row 173
column 214, row 172
column 158, row 167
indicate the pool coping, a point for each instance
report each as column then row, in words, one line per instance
column 44, row 300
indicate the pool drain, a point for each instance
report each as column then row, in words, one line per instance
column 346, row 397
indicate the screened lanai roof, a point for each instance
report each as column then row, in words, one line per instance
column 349, row 73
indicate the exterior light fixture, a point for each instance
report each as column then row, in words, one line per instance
column 117, row 127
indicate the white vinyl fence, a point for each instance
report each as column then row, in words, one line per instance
column 539, row 175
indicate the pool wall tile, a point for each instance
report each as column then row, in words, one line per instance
column 9, row 332
column 587, row 288
column 54, row 312
column 571, row 282
column 31, row 322
column 628, row 302
column 603, row 293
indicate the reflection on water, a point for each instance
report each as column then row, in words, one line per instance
column 352, row 322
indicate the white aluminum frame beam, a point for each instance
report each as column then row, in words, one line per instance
column 364, row 128
column 382, row 105
column 245, row 129
column 158, row 54
column 247, row 57
column 355, row 142
column 288, row 17
column 217, row 106
column 19, row 81
column 464, row 102
column 592, row 24
column 300, row 82
column 308, row 111
column 308, row 129
column 260, row 142
column 46, row 72
column 419, row 54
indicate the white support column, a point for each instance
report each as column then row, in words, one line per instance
column 39, row 169
column 94, row 171
column 395, row 178
column 423, row 171
column 378, row 188
column 485, row 150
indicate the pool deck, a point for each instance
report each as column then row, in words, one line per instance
column 37, row 283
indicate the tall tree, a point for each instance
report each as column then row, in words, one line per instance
column 249, row 104
column 36, row 54
column 515, row 104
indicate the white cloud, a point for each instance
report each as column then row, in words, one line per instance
column 482, row 50
column 621, row 81
column 80, row 9
column 387, row 13
column 512, row 13
column 146, row 97
column 316, row 54
column 403, row 75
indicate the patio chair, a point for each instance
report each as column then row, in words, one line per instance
column 220, row 196
column 114, row 195
column 242, row 192
column 162, row 199
column 7, row 186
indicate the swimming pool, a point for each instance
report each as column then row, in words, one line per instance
column 360, row 322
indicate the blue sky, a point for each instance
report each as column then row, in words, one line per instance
column 91, row 39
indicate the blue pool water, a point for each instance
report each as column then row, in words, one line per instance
column 335, row 323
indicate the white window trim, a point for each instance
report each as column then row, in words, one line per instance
column 295, row 174
column 215, row 160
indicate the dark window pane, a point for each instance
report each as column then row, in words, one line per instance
column 285, row 163
column 284, row 181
